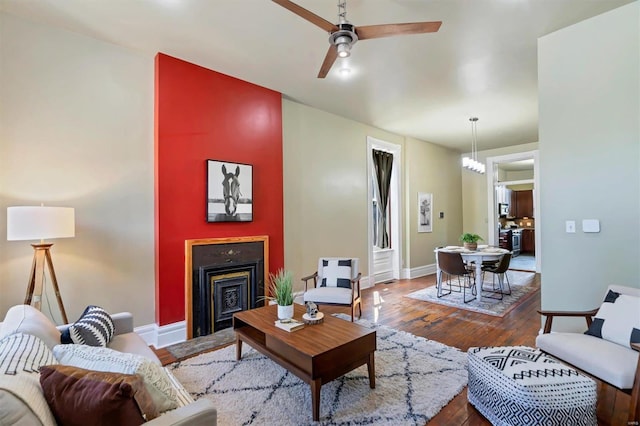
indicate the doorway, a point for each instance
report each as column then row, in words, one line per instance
column 514, row 180
column 384, row 263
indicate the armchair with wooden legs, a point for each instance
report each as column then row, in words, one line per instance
column 336, row 282
column 609, row 350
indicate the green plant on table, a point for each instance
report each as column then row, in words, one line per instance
column 281, row 287
column 470, row 238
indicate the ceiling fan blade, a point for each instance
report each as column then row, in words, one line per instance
column 309, row 16
column 387, row 30
column 332, row 54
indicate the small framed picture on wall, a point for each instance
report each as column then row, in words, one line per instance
column 229, row 191
column 425, row 208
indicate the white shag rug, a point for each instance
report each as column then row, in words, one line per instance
column 522, row 286
column 415, row 378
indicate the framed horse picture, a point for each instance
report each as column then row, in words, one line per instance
column 229, row 192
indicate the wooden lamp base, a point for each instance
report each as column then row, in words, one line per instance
column 35, row 286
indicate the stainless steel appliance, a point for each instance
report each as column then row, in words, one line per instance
column 503, row 209
column 516, row 235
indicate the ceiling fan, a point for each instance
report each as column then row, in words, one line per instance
column 343, row 35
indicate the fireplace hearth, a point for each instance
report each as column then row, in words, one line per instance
column 224, row 276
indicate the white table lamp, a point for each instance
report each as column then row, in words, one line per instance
column 40, row 223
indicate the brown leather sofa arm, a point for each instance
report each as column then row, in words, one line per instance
column 588, row 315
column 306, row 279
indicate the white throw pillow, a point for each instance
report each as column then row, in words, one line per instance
column 27, row 319
column 336, row 273
column 98, row 358
column 618, row 319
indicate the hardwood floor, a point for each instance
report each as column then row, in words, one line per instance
column 386, row 304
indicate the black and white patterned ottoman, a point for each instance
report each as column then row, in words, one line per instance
column 518, row 385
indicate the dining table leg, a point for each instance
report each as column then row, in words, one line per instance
column 479, row 278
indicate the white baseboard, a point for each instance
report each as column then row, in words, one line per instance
column 163, row 336
column 419, row 271
column 383, row 277
column 149, row 333
column 364, row 283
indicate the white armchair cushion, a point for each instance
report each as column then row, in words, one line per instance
column 338, row 295
column 618, row 319
column 608, row 361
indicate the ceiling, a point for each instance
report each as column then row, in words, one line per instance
column 482, row 62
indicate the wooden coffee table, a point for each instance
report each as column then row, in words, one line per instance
column 317, row 354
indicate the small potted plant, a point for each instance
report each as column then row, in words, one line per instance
column 470, row 240
column 281, row 292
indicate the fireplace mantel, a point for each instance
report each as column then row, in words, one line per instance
column 230, row 252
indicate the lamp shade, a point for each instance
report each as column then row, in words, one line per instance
column 40, row 223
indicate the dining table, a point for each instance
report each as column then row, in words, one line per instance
column 482, row 253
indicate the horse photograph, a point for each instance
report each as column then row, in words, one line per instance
column 229, row 192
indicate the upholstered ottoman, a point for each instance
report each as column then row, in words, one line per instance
column 518, row 385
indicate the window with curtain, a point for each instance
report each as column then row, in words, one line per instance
column 382, row 167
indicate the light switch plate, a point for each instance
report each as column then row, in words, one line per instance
column 570, row 226
column 590, row 225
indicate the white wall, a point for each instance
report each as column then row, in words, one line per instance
column 325, row 190
column 432, row 169
column 325, row 187
column 589, row 93
column 76, row 129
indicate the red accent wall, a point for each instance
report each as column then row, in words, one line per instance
column 201, row 114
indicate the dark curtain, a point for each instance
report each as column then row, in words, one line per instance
column 383, row 162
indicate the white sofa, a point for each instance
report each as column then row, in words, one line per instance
column 15, row 408
column 602, row 358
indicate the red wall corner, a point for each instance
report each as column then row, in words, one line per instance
column 201, row 114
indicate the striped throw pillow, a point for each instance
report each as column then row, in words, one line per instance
column 94, row 328
column 23, row 353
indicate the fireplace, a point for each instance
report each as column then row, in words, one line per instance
column 223, row 276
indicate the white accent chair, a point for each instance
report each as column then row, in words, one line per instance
column 603, row 359
column 336, row 282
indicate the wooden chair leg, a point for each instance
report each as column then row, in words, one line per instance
column 634, row 405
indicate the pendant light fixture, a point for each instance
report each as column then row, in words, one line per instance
column 473, row 163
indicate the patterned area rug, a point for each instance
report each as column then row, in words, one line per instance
column 415, row 378
column 522, row 286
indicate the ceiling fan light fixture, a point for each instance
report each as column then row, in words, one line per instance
column 343, row 35
column 344, row 50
